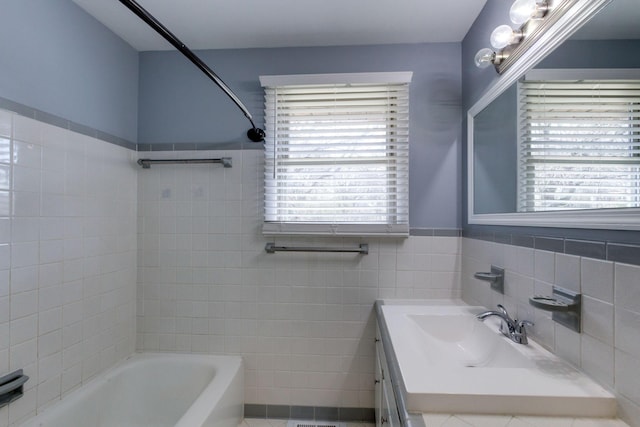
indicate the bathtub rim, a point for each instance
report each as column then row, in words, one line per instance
column 68, row 399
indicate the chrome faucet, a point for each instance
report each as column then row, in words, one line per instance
column 514, row 329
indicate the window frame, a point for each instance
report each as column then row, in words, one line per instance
column 336, row 228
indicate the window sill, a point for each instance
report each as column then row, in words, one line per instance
column 359, row 230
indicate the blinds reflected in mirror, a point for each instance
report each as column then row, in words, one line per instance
column 579, row 144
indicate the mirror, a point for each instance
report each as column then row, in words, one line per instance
column 521, row 132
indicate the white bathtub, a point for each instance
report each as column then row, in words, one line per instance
column 155, row 390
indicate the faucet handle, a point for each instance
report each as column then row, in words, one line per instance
column 522, row 323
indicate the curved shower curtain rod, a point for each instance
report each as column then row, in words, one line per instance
column 255, row 134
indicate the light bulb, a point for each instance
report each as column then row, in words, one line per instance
column 484, row 57
column 522, row 10
column 503, row 36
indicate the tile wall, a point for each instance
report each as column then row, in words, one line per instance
column 304, row 322
column 67, row 259
column 608, row 349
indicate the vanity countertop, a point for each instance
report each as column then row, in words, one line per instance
column 442, row 419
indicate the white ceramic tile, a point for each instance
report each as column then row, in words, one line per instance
column 627, row 327
column 5, row 203
column 24, row 279
column 24, row 203
column 4, row 283
column 23, row 329
column 542, row 421
column 598, row 360
column 598, row 422
column 5, row 230
column 486, row 420
column 628, row 411
column 597, row 279
column 27, row 155
column 5, row 177
column 568, row 345
column 627, row 376
column 26, row 179
column 567, row 273
column 24, row 304
column 597, row 319
column 627, row 286
column 25, row 229
column 6, row 123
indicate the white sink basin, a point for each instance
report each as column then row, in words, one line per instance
column 458, row 340
column 451, row 362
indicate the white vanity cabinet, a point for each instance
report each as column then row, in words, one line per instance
column 386, row 407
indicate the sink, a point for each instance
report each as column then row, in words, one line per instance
column 463, row 341
column 450, row 362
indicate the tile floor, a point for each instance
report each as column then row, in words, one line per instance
column 255, row 422
column 445, row 420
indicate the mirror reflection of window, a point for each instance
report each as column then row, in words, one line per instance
column 579, row 144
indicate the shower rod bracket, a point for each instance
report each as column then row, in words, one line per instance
column 254, row 134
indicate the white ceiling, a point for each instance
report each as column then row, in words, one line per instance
column 207, row 24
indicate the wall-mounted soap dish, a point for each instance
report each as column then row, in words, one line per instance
column 565, row 305
column 495, row 278
column 12, row 387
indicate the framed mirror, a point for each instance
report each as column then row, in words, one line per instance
column 556, row 141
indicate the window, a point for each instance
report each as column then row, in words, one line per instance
column 579, row 144
column 337, row 154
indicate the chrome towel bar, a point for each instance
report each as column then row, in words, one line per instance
column 146, row 163
column 11, row 387
column 271, row 248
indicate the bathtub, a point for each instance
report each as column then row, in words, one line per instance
column 155, row 390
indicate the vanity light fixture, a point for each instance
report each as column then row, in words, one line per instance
column 504, row 36
column 486, row 57
column 523, row 10
column 533, row 17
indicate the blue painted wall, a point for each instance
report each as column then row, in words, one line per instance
column 57, row 58
column 178, row 104
column 475, row 82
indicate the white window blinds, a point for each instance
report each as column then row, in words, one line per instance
column 579, row 144
column 337, row 158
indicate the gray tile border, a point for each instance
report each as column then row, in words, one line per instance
column 302, row 412
column 447, row 232
column 596, row 249
column 322, row 413
column 549, row 244
column 43, row 116
column 161, row 147
column 252, row 410
column 17, row 108
column 369, row 416
column 585, row 248
column 438, row 232
column 502, row 238
column 628, row 254
column 52, row 119
column 199, row 146
column 351, row 414
column 82, row 129
column 282, row 412
column 522, row 240
column 326, row 413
